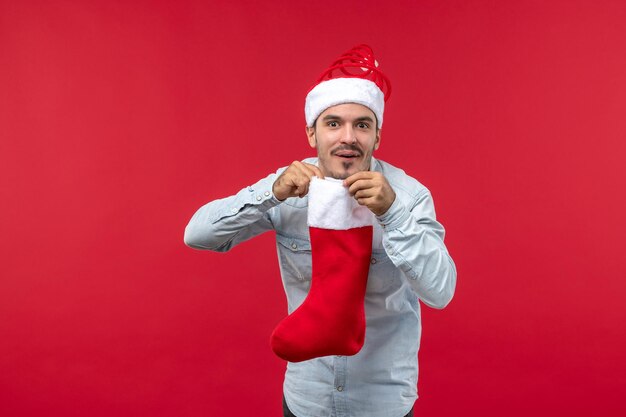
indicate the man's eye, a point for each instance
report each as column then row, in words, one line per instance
column 333, row 124
column 363, row 125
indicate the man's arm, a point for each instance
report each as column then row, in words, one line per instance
column 222, row 224
column 413, row 240
column 412, row 237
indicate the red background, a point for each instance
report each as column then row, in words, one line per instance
column 118, row 119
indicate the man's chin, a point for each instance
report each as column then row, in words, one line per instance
column 344, row 170
column 338, row 175
column 342, row 174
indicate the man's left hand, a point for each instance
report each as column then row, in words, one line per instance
column 372, row 190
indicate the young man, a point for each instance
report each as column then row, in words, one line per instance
column 408, row 260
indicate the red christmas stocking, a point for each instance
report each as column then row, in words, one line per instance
column 331, row 320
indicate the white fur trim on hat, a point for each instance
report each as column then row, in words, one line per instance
column 332, row 207
column 344, row 90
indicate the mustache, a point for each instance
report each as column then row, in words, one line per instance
column 347, row 147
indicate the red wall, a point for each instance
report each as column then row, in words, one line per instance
column 119, row 118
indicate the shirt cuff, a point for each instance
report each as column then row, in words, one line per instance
column 395, row 216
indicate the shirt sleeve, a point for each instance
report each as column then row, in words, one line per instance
column 222, row 224
column 413, row 240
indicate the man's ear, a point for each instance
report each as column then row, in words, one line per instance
column 377, row 143
column 310, row 133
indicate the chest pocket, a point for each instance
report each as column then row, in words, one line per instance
column 382, row 272
column 295, row 258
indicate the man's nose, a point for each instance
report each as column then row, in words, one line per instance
column 349, row 134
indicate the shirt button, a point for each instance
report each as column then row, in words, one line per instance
column 373, row 261
column 267, row 193
column 340, row 388
column 258, row 198
column 294, row 246
column 234, row 210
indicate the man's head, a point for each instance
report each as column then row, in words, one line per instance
column 344, row 113
column 345, row 136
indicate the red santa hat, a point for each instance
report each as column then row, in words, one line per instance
column 353, row 78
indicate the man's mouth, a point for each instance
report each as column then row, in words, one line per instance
column 347, row 154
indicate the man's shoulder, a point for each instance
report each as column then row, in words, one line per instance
column 399, row 179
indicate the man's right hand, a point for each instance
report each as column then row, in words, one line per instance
column 294, row 181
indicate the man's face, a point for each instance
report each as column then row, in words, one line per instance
column 345, row 137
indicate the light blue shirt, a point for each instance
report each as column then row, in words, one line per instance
column 409, row 263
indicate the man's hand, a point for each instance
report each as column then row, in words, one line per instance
column 372, row 190
column 294, row 181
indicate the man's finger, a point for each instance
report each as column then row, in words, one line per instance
column 364, row 201
column 358, row 176
column 301, row 180
column 303, row 189
column 307, row 172
column 317, row 172
column 360, row 185
column 365, row 193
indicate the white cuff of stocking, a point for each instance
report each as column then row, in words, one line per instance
column 332, row 207
column 341, row 91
